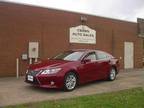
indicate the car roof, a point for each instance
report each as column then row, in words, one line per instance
column 89, row 50
column 83, row 50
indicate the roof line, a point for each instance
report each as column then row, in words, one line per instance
column 57, row 9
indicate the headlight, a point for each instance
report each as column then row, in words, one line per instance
column 50, row 71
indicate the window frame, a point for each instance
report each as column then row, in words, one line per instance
column 89, row 54
column 107, row 56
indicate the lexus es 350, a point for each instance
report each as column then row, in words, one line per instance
column 71, row 68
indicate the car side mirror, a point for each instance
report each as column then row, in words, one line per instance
column 86, row 60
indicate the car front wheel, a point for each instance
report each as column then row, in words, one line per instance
column 70, row 81
column 112, row 74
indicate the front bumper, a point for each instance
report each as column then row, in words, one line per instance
column 45, row 81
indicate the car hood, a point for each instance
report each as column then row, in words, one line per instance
column 46, row 64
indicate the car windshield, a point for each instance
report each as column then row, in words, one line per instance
column 69, row 56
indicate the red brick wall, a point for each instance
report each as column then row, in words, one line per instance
column 20, row 24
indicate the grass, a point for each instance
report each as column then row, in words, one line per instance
column 131, row 98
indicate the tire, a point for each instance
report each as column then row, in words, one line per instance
column 70, row 81
column 112, row 74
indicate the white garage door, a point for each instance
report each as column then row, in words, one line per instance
column 128, row 55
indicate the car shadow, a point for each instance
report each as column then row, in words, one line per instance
column 52, row 90
column 91, row 83
column 42, row 90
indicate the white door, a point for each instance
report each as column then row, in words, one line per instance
column 128, row 55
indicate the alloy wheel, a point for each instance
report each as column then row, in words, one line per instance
column 112, row 75
column 70, row 81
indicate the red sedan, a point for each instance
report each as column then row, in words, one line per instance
column 71, row 68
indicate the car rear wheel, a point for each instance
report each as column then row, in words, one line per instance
column 112, row 74
column 70, row 81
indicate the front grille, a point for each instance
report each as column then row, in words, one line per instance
column 33, row 73
column 35, row 81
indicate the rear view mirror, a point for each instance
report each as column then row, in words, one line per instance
column 86, row 60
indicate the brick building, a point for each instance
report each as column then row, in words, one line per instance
column 21, row 24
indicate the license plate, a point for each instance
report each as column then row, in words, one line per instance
column 30, row 78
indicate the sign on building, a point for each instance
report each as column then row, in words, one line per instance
column 82, row 34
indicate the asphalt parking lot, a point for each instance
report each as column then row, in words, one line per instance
column 16, row 91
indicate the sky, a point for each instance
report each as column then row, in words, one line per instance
column 128, row 10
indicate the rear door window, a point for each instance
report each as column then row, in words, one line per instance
column 91, row 56
column 102, row 55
